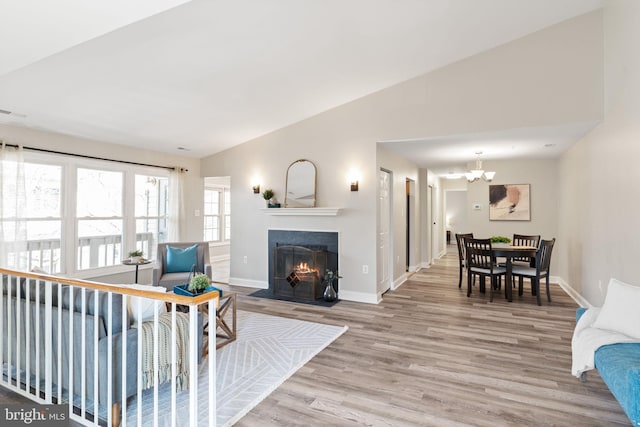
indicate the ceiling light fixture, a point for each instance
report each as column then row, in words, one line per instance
column 475, row 174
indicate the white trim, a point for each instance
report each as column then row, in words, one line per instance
column 582, row 302
column 413, row 268
column 425, row 264
column 359, row 297
column 302, row 211
column 248, row 283
column 399, row 281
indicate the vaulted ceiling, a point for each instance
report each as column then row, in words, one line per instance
column 198, row 77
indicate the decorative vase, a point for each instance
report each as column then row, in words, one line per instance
column 330, row 293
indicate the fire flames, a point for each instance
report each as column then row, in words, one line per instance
column 303, row 267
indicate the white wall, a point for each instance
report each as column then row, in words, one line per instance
column 456, row 212
column 402, row 170
column 543, row 178
column 550, row 77
column 598, row 197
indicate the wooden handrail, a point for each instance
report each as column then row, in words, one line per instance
column 120, row 289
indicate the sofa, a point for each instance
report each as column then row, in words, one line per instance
column 118, row 337
column 619, row 367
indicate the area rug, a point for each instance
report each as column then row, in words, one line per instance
column 268, row 350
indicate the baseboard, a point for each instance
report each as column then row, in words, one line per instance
column 359, row 297
column 399, row 281
column 413, row 268
column 425, row 264
column 579, row 299
column 248, row 283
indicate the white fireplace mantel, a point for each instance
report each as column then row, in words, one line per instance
column 302, row 211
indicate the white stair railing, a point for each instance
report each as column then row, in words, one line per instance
column 72, row 342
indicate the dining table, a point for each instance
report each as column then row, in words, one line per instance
column 509, row 252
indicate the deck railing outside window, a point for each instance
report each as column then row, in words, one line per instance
column 93, row 252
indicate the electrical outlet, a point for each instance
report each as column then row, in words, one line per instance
column 197, row 212
column 244, row 260
column 365, row 269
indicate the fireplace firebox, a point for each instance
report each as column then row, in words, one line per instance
column 299, row 271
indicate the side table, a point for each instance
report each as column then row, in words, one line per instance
column 137, row 264
column 226, row 330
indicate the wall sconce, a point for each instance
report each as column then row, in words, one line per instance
column 256, row 189
column 353, row 178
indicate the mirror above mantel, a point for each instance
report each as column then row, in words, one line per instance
column 301, row 185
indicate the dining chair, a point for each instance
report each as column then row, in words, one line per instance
column 482, row 263
column 460, row 238
column 543, row 262
column 525, row 240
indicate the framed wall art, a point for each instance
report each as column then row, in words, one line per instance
column 510, row 202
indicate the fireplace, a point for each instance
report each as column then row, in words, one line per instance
column 298, row 261
column 298, row 272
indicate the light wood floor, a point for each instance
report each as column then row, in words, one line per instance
column 429, row 356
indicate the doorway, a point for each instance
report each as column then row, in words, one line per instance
column 410, row 209
column 385, row 217
column 216, row 217
column 435, row 239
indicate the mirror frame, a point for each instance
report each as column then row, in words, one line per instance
column 287, row 199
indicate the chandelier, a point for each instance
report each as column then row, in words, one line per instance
column 475, row 174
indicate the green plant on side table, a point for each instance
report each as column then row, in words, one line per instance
column 500, row 239
column 199, row 283
column 136, row 256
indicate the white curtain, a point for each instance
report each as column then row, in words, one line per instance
column 177, row 212
column 13, row 205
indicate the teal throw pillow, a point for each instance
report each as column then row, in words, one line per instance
column 181, row 259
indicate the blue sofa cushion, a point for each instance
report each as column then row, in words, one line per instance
column 181, row 259
column 619, row 367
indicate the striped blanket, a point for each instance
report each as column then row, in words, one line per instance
column 164, row 350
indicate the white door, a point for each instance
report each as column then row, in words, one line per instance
column 384, row 231
column 435, row 240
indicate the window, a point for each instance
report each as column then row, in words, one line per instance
column 99, row 216
column 217, row 214
column 227, row 214
column 68, row 215
column 31, row 213
column 211, row 215
column 151, row 204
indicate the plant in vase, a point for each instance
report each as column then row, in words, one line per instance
column 500, row 239
column 136, row 256
column 268, row 195
column 330, row 293
column 199, row 283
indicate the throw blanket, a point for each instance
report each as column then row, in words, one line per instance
column 164, row 350
column 587, row 339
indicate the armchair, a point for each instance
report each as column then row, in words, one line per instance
column 169, row 277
